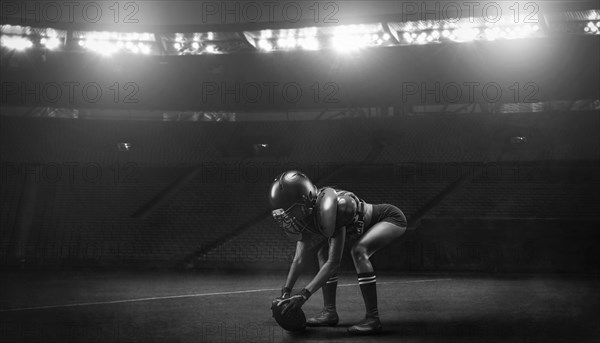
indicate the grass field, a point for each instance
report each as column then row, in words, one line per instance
column 151, row 306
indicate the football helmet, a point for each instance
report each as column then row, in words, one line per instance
column 292, row 198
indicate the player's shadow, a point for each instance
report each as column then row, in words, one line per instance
column 493, row 327
column 337, row 333
column 483, row 328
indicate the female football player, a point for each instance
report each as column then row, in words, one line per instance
column 321, row 220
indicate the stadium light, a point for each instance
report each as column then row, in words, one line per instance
column 210, row 49
column 50, row 43
column 342, row 38
column 310, row 43
column 51, row 39
column 16, row 43
column 265, row 45
column 20, row 38
column 109, row 43
column 201, row 43
column 575, row 22
column 462, row 31
column 592, row 28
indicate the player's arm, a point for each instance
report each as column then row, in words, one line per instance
column 329, row 268
column 336, row 247
column 296, row 267
column 328, row 215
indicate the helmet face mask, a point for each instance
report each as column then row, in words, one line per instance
column 291, row 220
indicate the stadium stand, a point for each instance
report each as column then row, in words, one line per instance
column 427, row 139
column 195, row 193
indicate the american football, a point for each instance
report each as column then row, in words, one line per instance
column 293, row 320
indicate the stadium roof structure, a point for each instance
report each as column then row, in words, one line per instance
column 320, row 57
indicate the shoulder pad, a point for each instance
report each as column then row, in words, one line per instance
column 346, row 209
column 327, row 211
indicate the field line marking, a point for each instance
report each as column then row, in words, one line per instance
column 193, row 296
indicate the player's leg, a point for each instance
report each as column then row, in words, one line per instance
column 330, row 287
column 380, row 235
column 329, row 316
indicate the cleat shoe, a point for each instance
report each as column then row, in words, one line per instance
column 367, row 326
column 325, row 318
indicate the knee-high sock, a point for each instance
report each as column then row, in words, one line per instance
column 368, row 288
column 329, row 293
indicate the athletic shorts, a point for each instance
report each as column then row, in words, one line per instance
column 388, row 213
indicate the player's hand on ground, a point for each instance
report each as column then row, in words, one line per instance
column 294, row 302
column 291, row 303
column 285, row 293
